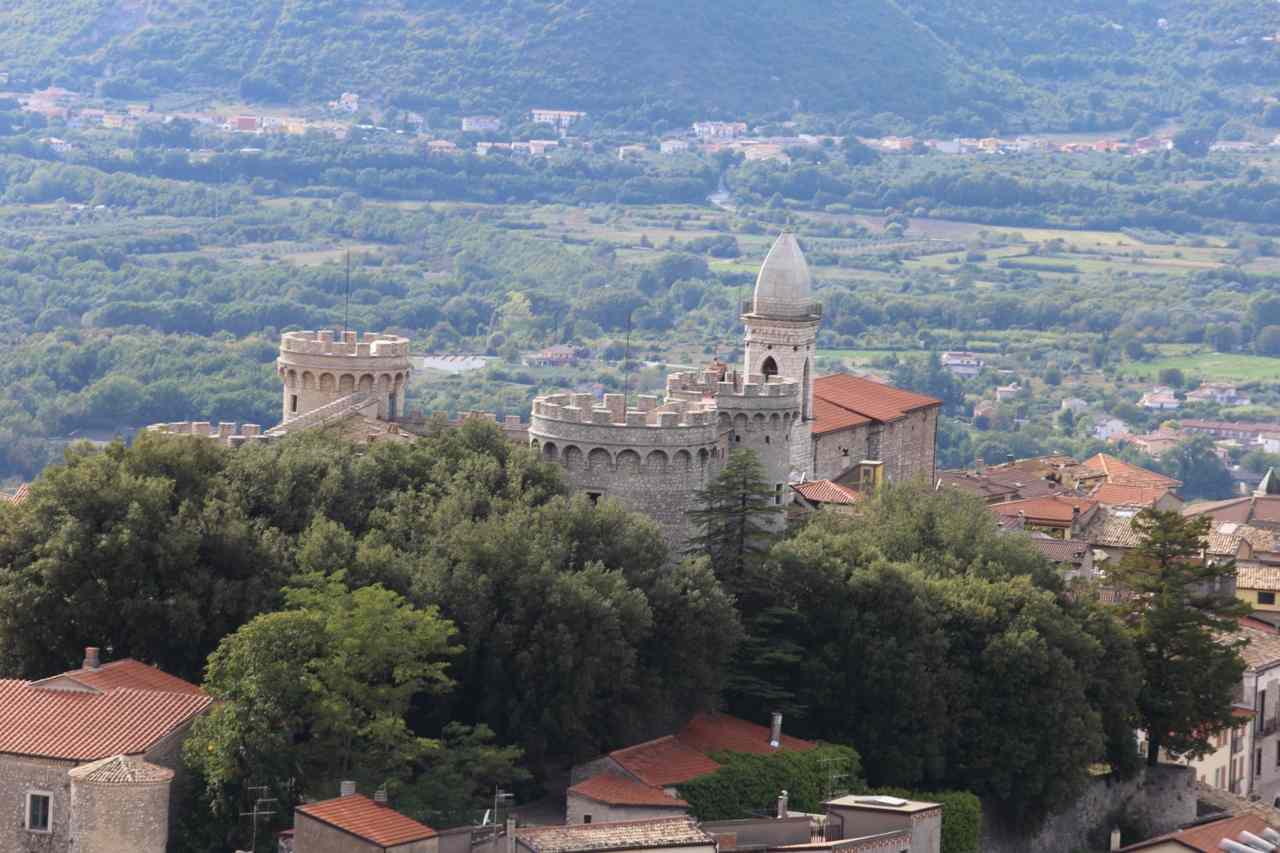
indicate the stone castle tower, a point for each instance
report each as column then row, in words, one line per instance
column 654, row 455
column 782, row 332
column 320, row 370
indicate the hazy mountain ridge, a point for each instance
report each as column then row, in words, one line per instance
column 986, row 65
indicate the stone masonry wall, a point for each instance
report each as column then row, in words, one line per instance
column 120, row 818
column 1159, row 800
column 18, row 776
column 836, row 452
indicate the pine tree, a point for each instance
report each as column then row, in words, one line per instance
column 737, row 517
column 1179, row 614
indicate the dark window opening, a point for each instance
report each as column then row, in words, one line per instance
column 293, row 403
column 770, row 367
column 38, row 812
column 766, row 439
column 594, row 497
column 777, row 494
column 1266, row 598
column 586, row 818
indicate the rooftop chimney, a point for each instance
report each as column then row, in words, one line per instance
column 91, row 660
column 775, row 730
column 1115, row 839
column 782, row 805
column 380, row 796
column 346, row 788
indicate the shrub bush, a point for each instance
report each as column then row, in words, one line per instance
column 749, row 784
column 961, row 816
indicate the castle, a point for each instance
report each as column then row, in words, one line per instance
column 653, row 455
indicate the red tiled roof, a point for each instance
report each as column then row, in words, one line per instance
column 1123, row 473
column 363, row 818
column 1206, row 837
column 1123, row 494
column 1061, row 550
column 125, row 673
column 827, row 492
column 857, row 396
column 621, row 835
column 712, row 733
column 19, row 496
column 1051, row 509
column 83, row 725
column 665, row 761
column 828, row 417
column 615, row 790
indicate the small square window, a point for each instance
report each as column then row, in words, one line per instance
column 594, row 497
column 1266, row 598
column 586, row 818
column 39, row 811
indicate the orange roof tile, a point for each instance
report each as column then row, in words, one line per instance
column 1051, row 509
column 828, row 417
column 858, row 396
column 19, row 496
column 84, row 725
column 1123, row 494
column 363, row 818
column 1206, row 837
column 1123, row 473
column 616, row 790
column 827, row 492
column 125, row 673
column 664, row 761
column 711, row 733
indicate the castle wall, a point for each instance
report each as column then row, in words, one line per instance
column 119, row 817
column 791, row 344
column 906, row 446
column 834, row 453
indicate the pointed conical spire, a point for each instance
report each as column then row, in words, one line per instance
column 1270, row 484
column 784, row 284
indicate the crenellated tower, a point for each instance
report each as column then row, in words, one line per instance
column 782, row 332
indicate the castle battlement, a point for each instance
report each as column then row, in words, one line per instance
column 225, row 432
column 348, row 344
column 613, row 412
column 731, row 390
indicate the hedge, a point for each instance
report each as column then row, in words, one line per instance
column 747, row 785
column 961, row 816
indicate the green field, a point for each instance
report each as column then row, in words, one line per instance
column 1227, row 367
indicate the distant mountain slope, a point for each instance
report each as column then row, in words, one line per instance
column 703, row 55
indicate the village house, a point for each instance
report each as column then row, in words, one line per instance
column 1218, row 392
column 1160, row 399
column 1005, row 393
column 353, row 823
column 962, row 363
column 631, row 152
column 813, row 495
column 1016, row 479
column 556, row 355
column 856, row 419
column 1156, row 443
column 678, row 834
column 562, row 120
column 673, row 146
column 708, row 131
column 1072, row 557
column 89, row 758
column 1245, row 432
column 1110, row 428
column 481, row 124
column 1060, row 516
column 1074, row 405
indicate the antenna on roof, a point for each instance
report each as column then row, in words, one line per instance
column 259, row 810
column 626, row 366
column 346, row 311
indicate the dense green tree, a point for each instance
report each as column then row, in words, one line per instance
column 1178, row 613
column 736, row 519
column 1196, row 463
column 319, row 692
column 126, row 548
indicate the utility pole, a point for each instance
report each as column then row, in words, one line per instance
column 346, row 311
column 626, row 365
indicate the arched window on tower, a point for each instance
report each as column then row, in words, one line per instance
column 769, row 368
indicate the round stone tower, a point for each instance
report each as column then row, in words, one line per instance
column 321, row 368
column 651, row 458
column 782, row 331
column 120, row 805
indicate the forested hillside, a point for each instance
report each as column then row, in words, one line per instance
column 823, row 55
column 965, row 65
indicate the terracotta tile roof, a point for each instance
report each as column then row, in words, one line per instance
column 616, row 790
column 121, row 770
column 1123, row 494
column 1206, row 837
column 624, row 835
column 1123, row 473
column 1254, row 576
column 363, row 818
column 664, row 761
column 1262, row 649
column 828, row 417
column 1050, row 509
column 827, row 492
column 18, row 496
column 1231, row 510
column 1061, row 550
column 85, row 725
column 853, row 394
column 711, row 733
column 1113, row 530
column 123, row 673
